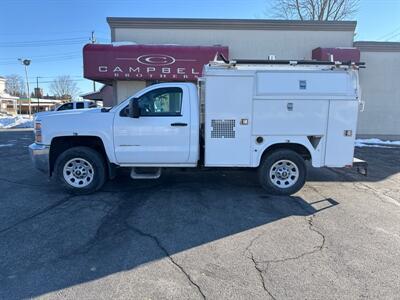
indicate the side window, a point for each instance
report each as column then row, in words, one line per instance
column 66, row 106
column 80, row 105
column 160, row 102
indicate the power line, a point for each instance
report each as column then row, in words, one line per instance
column 45, row 60
column 51, row 40
column 72, row 76
column 47, row 32
column 388, row 35
column 46, row 41
column 393, row 35
column 47, row 44
column 45, row 55
column 33, row 82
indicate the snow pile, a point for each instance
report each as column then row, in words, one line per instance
column 123, row 43
column 16, row 122
column 376, row 143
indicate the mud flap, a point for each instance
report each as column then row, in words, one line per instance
column 361, row 166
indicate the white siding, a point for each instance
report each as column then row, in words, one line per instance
column 126, row 89
column 256, row 44
column 380, row 83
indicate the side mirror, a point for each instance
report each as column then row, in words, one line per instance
column 134, row 109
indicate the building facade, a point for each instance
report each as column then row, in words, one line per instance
column 380, row 83
column 257, row 39
column 8, row 103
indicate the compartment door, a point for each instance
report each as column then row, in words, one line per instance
column 339, row 147
column 228, row 103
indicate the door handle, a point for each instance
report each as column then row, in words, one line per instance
column 179, row 124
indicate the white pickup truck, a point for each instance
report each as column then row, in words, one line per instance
column 268, row 115
column 76, row 105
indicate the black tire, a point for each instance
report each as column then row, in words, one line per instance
column 271, row 160
column 89, row 155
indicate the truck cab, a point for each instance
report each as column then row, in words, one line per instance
column 166, row 130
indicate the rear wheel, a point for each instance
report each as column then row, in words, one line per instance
column 81, row 170
column 282, row 172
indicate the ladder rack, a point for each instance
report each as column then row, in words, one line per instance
column 289, row 62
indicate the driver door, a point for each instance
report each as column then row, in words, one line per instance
column 161, row 135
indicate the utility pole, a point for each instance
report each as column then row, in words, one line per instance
column 26, row 63
column 37, row 93
column 93, row 40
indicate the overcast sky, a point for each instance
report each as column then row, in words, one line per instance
column 52, row 32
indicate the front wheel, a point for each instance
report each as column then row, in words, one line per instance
column 81, row 170
column 282, row 172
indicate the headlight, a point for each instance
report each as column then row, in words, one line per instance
column 38, row 132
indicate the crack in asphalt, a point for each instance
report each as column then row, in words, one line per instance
column 258, row 269
column 318, row 248
column 312, row 227
column 378, row 194
column 173, row 261
column 39, row 213
column 115, row 222
column 109, row 226
column 260, row 273
column 367, row 187
column 256, row 263
column 80, row 206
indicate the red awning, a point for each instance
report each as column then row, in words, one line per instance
column 339, row 54
column 106, row 63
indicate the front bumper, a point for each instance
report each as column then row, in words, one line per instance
column 40, row 156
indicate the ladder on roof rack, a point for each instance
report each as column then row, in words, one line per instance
column 289, row 62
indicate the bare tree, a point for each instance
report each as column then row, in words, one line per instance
column 63, row 87
column 15, row 85
column 321, row 10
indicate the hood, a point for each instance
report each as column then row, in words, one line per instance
column 83, row 122
column 40, row 115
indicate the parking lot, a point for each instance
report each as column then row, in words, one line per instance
column 200, row 234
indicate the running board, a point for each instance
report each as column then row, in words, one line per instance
column 145, row 173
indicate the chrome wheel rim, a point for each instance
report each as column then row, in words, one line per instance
column 284, row 173
column 78, row 172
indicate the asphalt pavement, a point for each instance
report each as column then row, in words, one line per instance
column 211, row 234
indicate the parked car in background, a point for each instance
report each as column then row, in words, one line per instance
column 76, row 105
column 69, row 106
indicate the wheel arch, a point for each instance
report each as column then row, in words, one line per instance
column 300, row 149
column 61, row 143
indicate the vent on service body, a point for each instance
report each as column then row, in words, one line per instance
column 223, row 129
